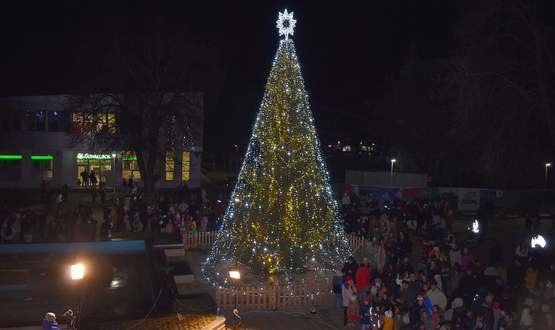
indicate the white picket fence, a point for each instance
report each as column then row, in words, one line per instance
column 199, row 240
column 272, row 297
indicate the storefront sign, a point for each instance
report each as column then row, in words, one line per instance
column 93, row 156
column 42, row 157
column 16, row 157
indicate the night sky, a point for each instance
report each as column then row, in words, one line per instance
column 346, row 52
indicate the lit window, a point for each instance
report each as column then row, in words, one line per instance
column 130, row 166
column 169, row 166
column 100, row 122
column 185, row 166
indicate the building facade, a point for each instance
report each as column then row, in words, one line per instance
column 37, row 144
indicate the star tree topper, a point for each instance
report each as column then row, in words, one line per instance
column 286, row 24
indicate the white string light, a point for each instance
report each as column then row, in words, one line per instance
column 286, row 24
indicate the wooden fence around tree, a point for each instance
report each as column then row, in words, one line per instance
column 204, row 240
column 199, row 240
column 272, row 297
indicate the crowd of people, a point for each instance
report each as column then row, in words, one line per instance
column 415, row 274
column 99, row 214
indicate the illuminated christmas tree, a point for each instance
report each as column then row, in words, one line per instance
column 282, row 215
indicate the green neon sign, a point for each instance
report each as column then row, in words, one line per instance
column 93, row 156
column 44, row 157
column 17, row 157
column 129, row 158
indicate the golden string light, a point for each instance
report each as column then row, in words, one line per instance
column 282, row 213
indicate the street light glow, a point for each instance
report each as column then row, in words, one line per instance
column 77, row 271
column 393, row 160
column 538, row 241
column 475, row 227
column 235, row 274
column 547, row 164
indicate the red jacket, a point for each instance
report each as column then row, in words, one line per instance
column 362, row 278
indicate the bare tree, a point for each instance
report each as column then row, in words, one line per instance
column 150, row 114
column 499, row 88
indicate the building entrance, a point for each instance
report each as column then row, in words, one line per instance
column 102, row 169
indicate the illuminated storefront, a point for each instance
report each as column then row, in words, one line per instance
column 130, row 166
column 37, row 145
column 99, row 164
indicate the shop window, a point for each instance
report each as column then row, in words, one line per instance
column 43, row 167
column 169, row 166
column 130, row 166
column 84, row 122
column 102, row 169
column 10, row 169
column 185, row 166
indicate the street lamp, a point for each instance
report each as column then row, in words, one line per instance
column 235, row 276
column 114, row 155
column 393, row 160
column 547, row 165
column 77, row 271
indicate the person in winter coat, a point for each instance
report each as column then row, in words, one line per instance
column 49, row 322
column 437, row 297
column 526, row 319
column 419, row 311
column 365, row 314
column 353, row 311
column 455, row 255
column 362, row 280
column 337, row 289
column 388, row 321
column 347, row 292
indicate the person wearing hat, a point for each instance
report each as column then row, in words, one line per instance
column 49, row 322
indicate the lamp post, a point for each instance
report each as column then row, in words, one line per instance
column 393, row 161
column 547, row 165
column 77, row 273
column 235, row 276
column 114, row 155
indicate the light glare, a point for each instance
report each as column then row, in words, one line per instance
column 538, row 241
column 77, row 271
column 234, row 274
